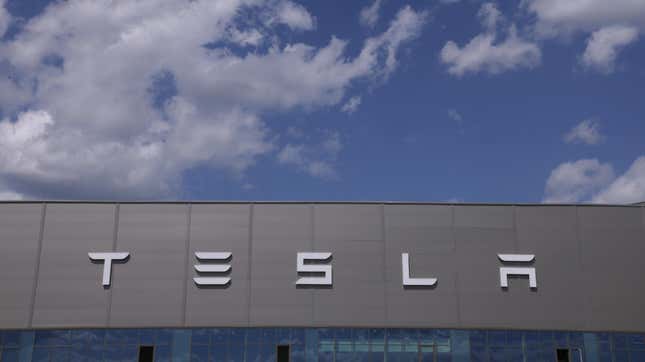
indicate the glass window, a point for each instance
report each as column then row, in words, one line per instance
column 53, row 338
column 200, row 336
column 119, row 336
column 477, row 338
column 218, row 352
column 219, row 335
column 10, row 355
column 199, row 353
column 147, row 336
column 11, row 338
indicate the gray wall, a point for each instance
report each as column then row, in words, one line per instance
column 588, row 259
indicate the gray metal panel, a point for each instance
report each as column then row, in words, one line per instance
column 19, row 230
column 354, row 233
column 279, row 233
column 425, row 232
column 588, row 260
column 148, row 290
column 481, row 233
column 347, row 222
column 613, row 267
column 550, row 233
column 69, row 291
column 220, row 228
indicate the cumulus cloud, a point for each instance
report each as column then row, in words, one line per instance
column 629, row 188
column 612, row 24
column 572, row 182
column 295, row 16
column 604, row 44
column 589, row 180
column 486, row 53
column 556, row 17
column 489, row 15
column 5, row 18
column 369, row 15
column 130, row 95
column 351, row 105
column 587, row 132
column 317, row 160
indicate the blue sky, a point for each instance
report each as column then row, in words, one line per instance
column 369, row 100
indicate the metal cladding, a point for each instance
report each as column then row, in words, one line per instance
column 561, row 267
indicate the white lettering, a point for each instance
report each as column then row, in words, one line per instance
column 212, row 268
column 314, row 268
column 107, row 263
column 504, row 272
column 407, row 281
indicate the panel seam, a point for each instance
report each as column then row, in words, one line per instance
column 41, row 232
column 386, row 314
column 250, row 265
column 189, row 212
column 115, row 234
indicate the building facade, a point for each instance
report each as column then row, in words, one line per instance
column 83, row 281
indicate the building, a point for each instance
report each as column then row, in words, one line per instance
column 174, row 281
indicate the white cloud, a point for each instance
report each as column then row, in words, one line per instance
column 557, row 16
column 455, row 116
column 489, row 15
column 295, row 16
column 5, row 18
column 604, row 44
column 573, row 182
column 317, row 160
column 587, row 132
column 486, row 53
column 613, row 25
column 591, row 181
column 351, row 105
column 629, row 188
column 369, row 15
column 91, row 128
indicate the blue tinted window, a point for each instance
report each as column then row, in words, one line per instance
column 442, row 336
column 120, row 336
column 576, row 339
column 199, row 353
column 11, row 338
column 377, row 336
column 283, row 335
column 200, row 336
column 477, row 338
column 560, row 339
column 219, row 335
column 237, row 335
column 269, row 335
column 298, row 336
column 41, row 354
column 88, row 336
column 514, row 338
column 164, row 337
column 218, row 352
column 637, row 356
column 620, row 341
column 497, row 338
column 53, row 338
column 10, row 355
column 59, row 354
column 546, row 338
column 636, row 341
column 162, row 354
column 147, row 336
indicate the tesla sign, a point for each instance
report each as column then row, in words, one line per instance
column 315, row 268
